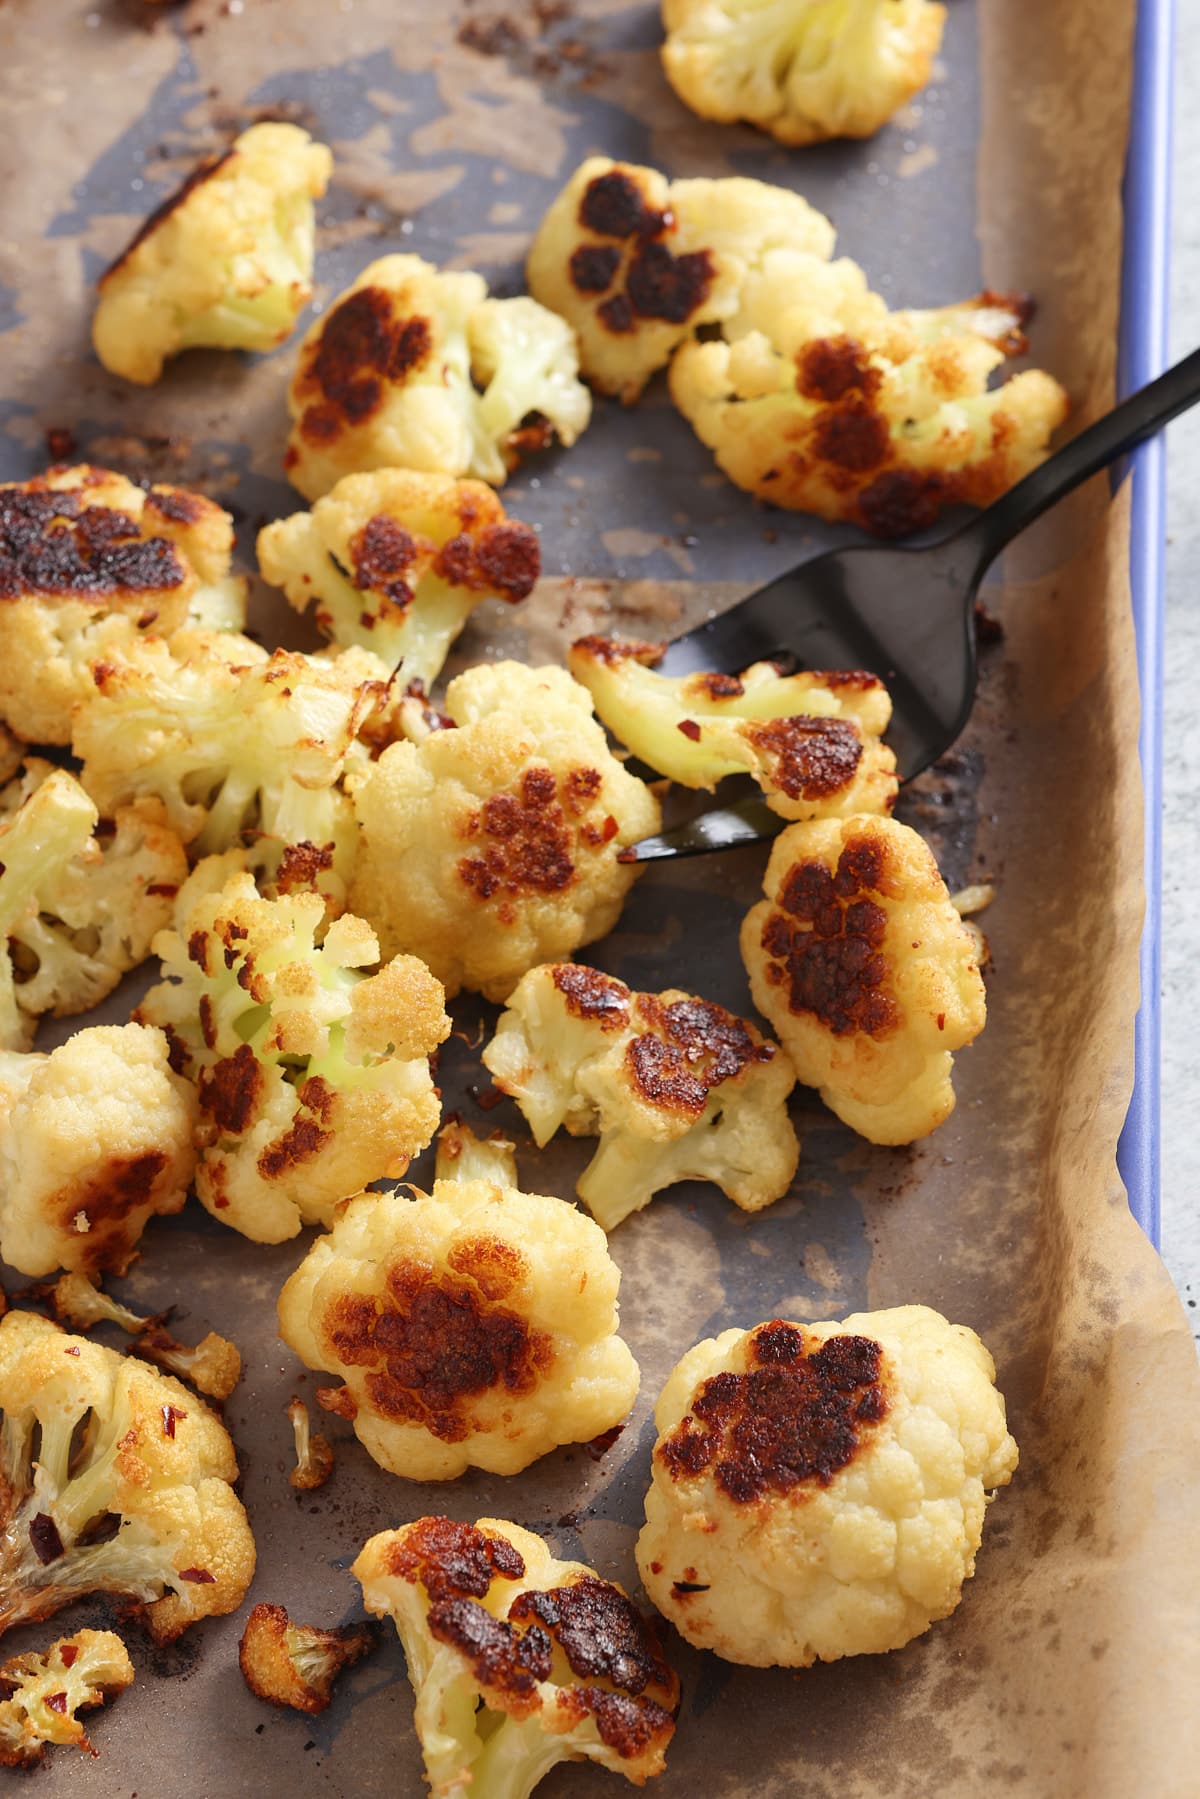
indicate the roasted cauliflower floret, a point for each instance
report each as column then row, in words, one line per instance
column 676, row 1089
column 79, row 905
column 517, row 1661
column 866, row 971
column 474, row 1326
column 95, row 1139
column 313, row 1076
column 803, row 70
column 89, row 564
column 297, row 1664
column 394, row 562
column 416, row 368
column 46, row 1689
column 819, row 1489
column 226, row 263
column 507, row 829
column 637, row 264
column 810, row 740
column 91, row 1439
column 241, row 748
column 820, row 400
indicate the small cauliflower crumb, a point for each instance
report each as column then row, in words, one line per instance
column 44, row 1690
column 462, row 1156
column 314, row 1454
column 213, row 1366
column 296, row 1664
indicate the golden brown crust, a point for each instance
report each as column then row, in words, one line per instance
column 600, row 998
column 53, row 544
column 365, row 344
column 267, row 1656
column 526, row 844
column 450, row 1559
column 807, row 758
column 824, row 944
column 689, row 1047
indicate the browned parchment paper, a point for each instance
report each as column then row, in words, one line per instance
column 1070, row 1670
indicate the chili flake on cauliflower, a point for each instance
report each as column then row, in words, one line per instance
column 474, row 1326
column 637, row 263
column 819, row 1489
column 865, row 969
column 44, row 1690
column 505, row 830
column 676, row 1089
column 810, row 740
column 394, row 562
column 416, row 367
column 225, row 263
column 518, row 1661
column 90, row 564
column 313, row 1076
column 803, row 70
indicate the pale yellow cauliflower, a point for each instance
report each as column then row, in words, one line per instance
column 79, row 903
column 394, row 562
column 866, row 971
column 95, row 1138
column 494, row 846
column 416, row 367
column 810, row 740
column 803, row 70
column 819, row 1489
column 46, row 1689
column 637, row 263
column 313, row 1076
column 225, row 263
column 819, row 399
column 675, row 1088
column 153, row 1458
column 90, row 563
column 474, row 1326
column 517, row 1661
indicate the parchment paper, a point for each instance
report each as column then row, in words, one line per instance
column 1071, row 1667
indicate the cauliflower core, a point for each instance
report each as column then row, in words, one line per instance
column 225, row 263
column 819, row 1489
column 866, row 971
column 45, row 1689
column 296, row 1664
column 494, row 846
column 416, row 368
column 810, row 740
column 116, row 1480
column 95, row 1139
column 394, row 562
column 78, row 906
column 803, row 70
column 89, row 564
column 637, row 263
column 313, row 1077
column 675, row 1088
column 475, row 1327
column 820, row 400
column 517, row 1661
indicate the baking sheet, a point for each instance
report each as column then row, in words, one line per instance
column 1070, row 1667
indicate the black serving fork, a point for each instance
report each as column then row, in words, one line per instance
column 904, row 614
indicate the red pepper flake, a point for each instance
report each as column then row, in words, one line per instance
column 199, row 1577
column 60, row 443
column 169, row 1414
column 220, row 1203
column 628, row 854
column 71, row 1350
column 609, row 829
column 43, row 1535
column 488, row 1099
column 57, row 1702
column 690, row 729
column 941, row 1021
column 70, row 1654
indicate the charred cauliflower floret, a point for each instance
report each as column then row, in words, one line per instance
column 474, row 1327
column 676, row 1089
column 819, row 1489
column 297, row 1664
column 44, row 1690
column 507, row 830
column 803, row 70
column 866, row 971
column 95, row 1139
column 226, row 263
column 637, row 264
column 820, row 400
column 518, row 1661
column 394, row 562
column 415, row 367
column 313, row 1076
column 810, row 740
column 240, row 747
column 89, row 564
column 116, row 1480
column 79, row 904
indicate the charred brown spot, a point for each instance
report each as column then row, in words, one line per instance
column 662, row 286
column 616, row 315
column 199, row 175
column 508, row 1661
column 859, row 680
column 317, row 1096
column 208, row 1028
column 175, row 504
column 52, row 544
column 452, row 1560
column 613, row 205
column 852, row 437
column 1013, row 341
column 594, row 267
column 829, row 368
column 362, row 346
column 229, row 1091
column 301, row 865
column 795, row 1416
column 126, row 1184
column 628, row 1726
column 528, row 845
column 826, row 942
column 503, row 559
column 712, row 685
column 903, row 500
column 592, row 995
column 690, row 1048
column 382, row 553
column 601, row 1633
column 495, row 1267
column 612, row 651
column 303, row 1140
column 582, row 786
column 808, row 758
